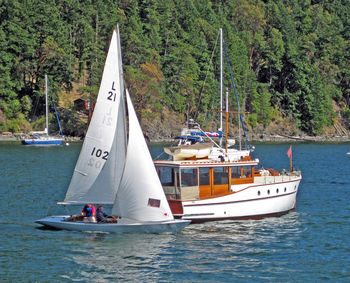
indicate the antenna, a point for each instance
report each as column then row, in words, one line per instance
column 221, row 82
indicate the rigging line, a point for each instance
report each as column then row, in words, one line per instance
column 234, row 87
column 159, row 155
column 54, row 106
column 36, row 106
column 206, row 75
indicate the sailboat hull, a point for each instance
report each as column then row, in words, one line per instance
column 43, row 141
column 171, row 226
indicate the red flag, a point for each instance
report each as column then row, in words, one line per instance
column 289, row 152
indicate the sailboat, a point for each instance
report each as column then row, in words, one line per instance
column 191, row 143
column 115, row 166
column 43, row 137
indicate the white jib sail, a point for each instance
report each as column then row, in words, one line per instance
column 140, row 195
column 105, row 139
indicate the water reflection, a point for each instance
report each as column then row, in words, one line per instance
column 230, row 247
column 119, row 256
column 215, row 248
column 265, row 230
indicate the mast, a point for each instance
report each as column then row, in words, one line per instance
column 221, row 81
column 122, row 88
column 46, row 107
column 239, row 128
column 226, row 118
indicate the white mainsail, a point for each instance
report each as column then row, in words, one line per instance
column 140, row 195
column 97, row 174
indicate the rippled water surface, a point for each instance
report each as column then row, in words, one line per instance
column 309, row 245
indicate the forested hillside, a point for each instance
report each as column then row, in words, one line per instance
column 290, row 59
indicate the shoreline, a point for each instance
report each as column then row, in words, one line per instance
column 18, row 137
column 252, row 139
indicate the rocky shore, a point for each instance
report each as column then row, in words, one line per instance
column 254, row 138
column 282, row 139
column 18, row 137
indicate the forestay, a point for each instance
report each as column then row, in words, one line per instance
column 100, row 165
column 140, row 195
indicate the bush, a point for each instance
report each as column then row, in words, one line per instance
column 345, row 112
column 253, row 119
column 15, row 125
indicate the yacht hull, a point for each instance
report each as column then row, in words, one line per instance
column 58, row 222
column 250, row 201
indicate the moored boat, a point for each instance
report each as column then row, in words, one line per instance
column 44, row 137
column 35, row 139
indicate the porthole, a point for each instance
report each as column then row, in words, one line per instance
column 268, row 192
column 285, row 189
column 277, row 191
column 295, row 188
column 258, row 193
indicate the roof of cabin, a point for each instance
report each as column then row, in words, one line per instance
column 205, row 163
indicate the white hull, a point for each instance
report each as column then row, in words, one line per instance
column 274, row 199
column 57, row 222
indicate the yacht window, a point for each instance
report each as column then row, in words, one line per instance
column 189, row 177
column 235, row 172
column 204, row 176
column 220, row 175
column 247, row 171
column 166, row 175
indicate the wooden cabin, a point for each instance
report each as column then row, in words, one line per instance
column 201, row 179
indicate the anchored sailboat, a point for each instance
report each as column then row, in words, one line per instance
column 115, row 166
column 43, row 137
column 191, row 141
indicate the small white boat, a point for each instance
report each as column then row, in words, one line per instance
column 123, row 226
column 115, row 166
column 197, row 151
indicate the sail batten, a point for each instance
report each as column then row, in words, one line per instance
column 80, row 172
column 93, row 138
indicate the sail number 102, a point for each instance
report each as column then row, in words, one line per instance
column 99, row 153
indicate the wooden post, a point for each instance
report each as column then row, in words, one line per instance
column 226, row 118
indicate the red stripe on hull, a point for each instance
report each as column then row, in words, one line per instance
column 252, row 217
